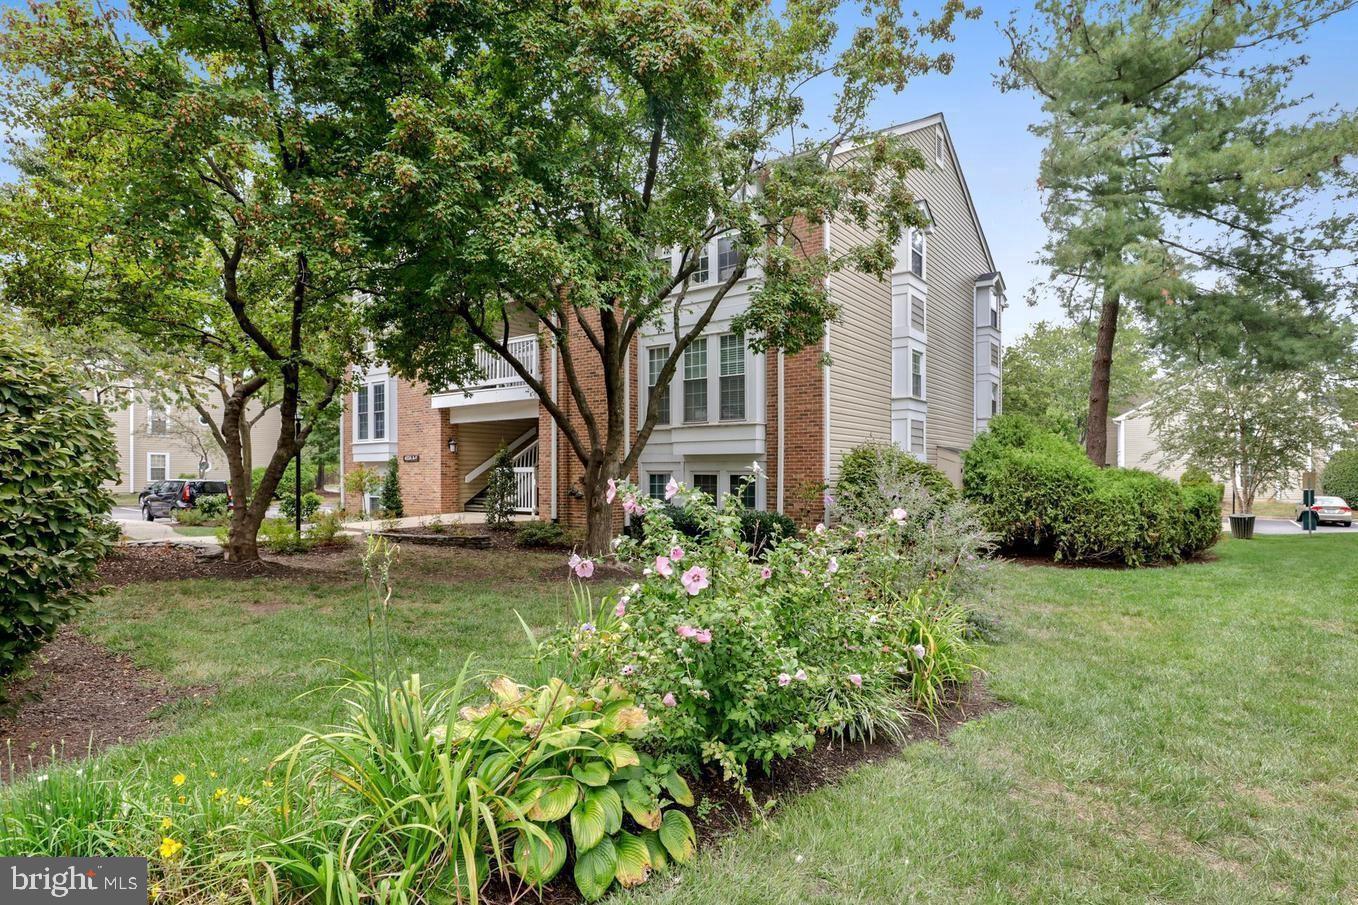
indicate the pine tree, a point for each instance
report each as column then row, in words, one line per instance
column 390, row 501
column 500, row 491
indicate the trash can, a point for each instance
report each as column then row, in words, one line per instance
column 1242, row 525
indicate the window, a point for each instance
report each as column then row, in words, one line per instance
column 157, row 466
column 994, row 310
column 732, row 377
column 664, row 265
column 655, row 484
column 917, row 436
column 728, row 257
column 707, row 483
column 994, row 399
column 370, row 411
column 704, row 271
column 743, row 486
column 695, row 381
column 655, row 363
column 157, row 422
column 917, row 373
column 917, row 313
column 379, row 407
column 917, row 252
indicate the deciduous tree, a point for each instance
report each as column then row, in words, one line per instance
column 540, row 175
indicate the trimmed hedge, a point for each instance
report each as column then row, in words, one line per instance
column 56, row 454
column 1040, row 494
column 869, row 470
column 1340, row 477
column 761, row 530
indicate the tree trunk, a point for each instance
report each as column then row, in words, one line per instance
column 247, row 446
column 320, row 474
column 1096, row 424
column 599, row 524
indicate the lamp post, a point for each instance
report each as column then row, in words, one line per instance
column 297, row 472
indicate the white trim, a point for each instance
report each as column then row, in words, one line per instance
column 132, row 447
column 166, row 466
column 485, row 466
column 1122, row 442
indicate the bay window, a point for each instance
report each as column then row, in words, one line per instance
column 695, row 381
column 732, row 377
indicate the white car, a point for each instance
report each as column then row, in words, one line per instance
column 1329, row 509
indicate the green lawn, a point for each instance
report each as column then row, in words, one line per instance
column 1172, row 735
column 196, row 530
column 263, row 643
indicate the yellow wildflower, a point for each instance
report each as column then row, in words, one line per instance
column 169, row 847
column 166, row 823
column 243, row 801
column 219, row 794
column 211, row 774
column 183, row 800
column 268, row 783
column 155, row 891
column 179, row 779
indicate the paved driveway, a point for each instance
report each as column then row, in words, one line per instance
column 1264, row 525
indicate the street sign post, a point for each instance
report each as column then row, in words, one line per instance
column 1309, row 517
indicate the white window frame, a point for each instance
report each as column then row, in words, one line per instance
column 704, row 272
column 706, row 378
column 151, row 411
column 367, row 421
column 727, row 245
column 923, row 272
column 725, row 475
column 651, row 477
column 919, row 355
column 666, row 405
column 722, row 340
column 165, row 468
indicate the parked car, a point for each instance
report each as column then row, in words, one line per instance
column 1329, row 509
column 147, row 491
column 163, row 498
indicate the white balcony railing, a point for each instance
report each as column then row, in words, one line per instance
column 497, row 372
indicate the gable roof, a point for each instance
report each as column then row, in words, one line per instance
column 937, row 119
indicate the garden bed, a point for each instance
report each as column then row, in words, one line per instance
column 428, row 538
column 79, row 699
column 131, row 564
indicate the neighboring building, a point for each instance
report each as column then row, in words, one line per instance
column 1132, row 443
column 914, row 359
column 157, row 443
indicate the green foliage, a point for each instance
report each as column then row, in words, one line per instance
column 311, row 504
column 69, row 813
column 1040, row 494
column 763, row 530
column 192, row 518
column 56, row 454
column 287, row 480
column 541, row 534
column 1194, row 475
column 390, row 501
column 211, row 506
column 1046, row 375
column 325, row 528
column 280, row 535
column 1340, row 477
column 871, row 475
column 742, row 662
column 500, row 491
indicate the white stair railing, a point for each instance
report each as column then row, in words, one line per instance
column 525, row 466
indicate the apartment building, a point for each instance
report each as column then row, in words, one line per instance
column 914, row 359
column 157, row 442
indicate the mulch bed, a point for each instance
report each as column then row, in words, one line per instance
column 79, row 699
column 727, row 811
column 134, row 564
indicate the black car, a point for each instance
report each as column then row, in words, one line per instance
column 162, row 498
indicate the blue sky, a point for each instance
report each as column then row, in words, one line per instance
column 1000, row 156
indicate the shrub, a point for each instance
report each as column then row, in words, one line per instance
column 1340, row 477
column 190, row 517
column 281, row 536
column 1039, row 493
column 358, row 483
column 390, row 502
column 56, row 454
column 287, row 480
column 541, row 534
column 870, row 474
column 500, row 491
column 742, row 662
column 324, row 529
column 765, row 530
column 212, row 507
column 311, row 504
column 1194, row 475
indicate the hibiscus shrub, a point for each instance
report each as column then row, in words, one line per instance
column 740, row 661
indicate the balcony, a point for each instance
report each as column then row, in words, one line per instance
column 500, row 393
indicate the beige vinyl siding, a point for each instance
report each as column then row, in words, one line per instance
column 478, row 441
column 1140, row 449
column 860, row 354
column 860, row 341
column 954, row 258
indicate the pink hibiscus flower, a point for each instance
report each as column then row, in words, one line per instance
column 686, row 631
column 704, row 636
column 856, row 679
column 671, row 489
column 676, row 554
column 663, row 567
column 832, row 566
column 695, row 579
column 584, row 568
column 621, row 609
column 612, row 492
column 766, row 573
column 784, row 680
column 898, row 515
column 668, row 700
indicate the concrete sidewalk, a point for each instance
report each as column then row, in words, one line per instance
column 137, row 531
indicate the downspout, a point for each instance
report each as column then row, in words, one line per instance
column 132, row 447
column 554, row 438
column 343, row 503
